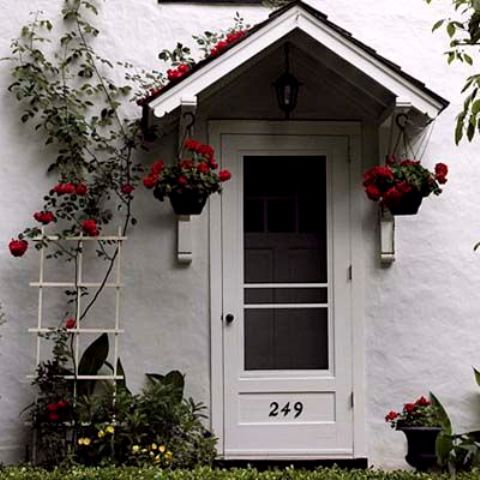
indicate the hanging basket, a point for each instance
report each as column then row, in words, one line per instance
column 407, row 205
column 188, row 202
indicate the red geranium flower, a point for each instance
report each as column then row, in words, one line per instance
column 422, row 402
column 403, row 187
column 441, row 171
column 224, row 175
column 53, row 417
column 18, row 247
column 373, row 192
column 391, row 416
column 392, row 195
column 409, row 407
column 150, row 181
column 182, row 180
column 52, row 407
column 157, row 167
column 203, row 167
column 186, row 164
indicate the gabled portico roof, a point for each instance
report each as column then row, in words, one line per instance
column 297, row 16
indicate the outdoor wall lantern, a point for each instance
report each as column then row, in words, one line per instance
column 286, row 87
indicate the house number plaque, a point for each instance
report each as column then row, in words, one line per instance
column 286, row 410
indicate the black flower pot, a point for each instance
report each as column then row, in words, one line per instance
column 187, row 202
column 421, row 446
column 407, row 205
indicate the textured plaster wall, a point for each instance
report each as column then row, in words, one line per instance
column 422, row 315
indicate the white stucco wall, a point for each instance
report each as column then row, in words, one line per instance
column 421, row 314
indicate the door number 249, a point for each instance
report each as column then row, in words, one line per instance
column 275, row 409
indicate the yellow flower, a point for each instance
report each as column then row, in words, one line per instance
column 135, row 449
column 84, row 441
column 161, row 448
column 101, row 434
column 157, row 459
column 168, row 455
column 110, row 429
column 153, row 446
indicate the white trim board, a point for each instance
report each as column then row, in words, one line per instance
column 352, row 130
column 296, row 18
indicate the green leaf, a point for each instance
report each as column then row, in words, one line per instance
column 443, row 447
column 438, row 25
column 451, row 29
column 475, row 371
column 445, row 422
column 458, row 131
column 468, row 59
column 91, row 362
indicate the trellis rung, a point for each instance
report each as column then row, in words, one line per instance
column 114, row 331
column 86, row 377
column 113, row 238
column 73, row 285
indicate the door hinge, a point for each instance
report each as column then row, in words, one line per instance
column 350, row 272
column 352, row 400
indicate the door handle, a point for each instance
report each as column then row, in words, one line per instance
column 229, row 318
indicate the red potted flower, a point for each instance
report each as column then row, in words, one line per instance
column 189, row 182
column 401, row 185
column 421, row 422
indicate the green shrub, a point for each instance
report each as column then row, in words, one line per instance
column 206, row 473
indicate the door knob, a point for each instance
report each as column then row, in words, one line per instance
column 229, row 318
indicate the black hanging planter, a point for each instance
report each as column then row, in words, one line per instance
column 421, row 446
column 407, row 205
column 187, row 202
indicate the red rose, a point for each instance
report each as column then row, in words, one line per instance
column 52, row 407
column 81, row 189
column 53, row 417
column 182, row 180
column 373, row 192
column 89, row 227
column 207, row 151
column 213, row 164
column 392, row 196
column 403, row 187
column 70, row 323
column 44, row 217
column 64, row 188
column 183, row 68
column 422, row 402
column 224, row 175
column 392, row 415
column 18, row 247
column 409, row 407
column 150, row 181
column 157, row 167
column 203, row 167
column 127, row 188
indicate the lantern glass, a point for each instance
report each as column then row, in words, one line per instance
column 286, row 87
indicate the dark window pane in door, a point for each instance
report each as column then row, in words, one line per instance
column 286, row 295
column 281, row 215
column 285, row 215
column 286, row 339
column 254, row 215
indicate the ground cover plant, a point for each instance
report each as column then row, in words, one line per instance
column 205, row 473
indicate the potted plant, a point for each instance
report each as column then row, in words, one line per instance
column 401, row 185
column 421, row 423
column 189, row 182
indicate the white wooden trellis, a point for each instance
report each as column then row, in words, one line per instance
column 78, row 330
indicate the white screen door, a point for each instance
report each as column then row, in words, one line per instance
column 287, row 334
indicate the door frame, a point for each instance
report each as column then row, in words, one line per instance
column 351, row 130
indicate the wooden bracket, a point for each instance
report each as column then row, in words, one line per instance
column 184, row 239
column 387, row 237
